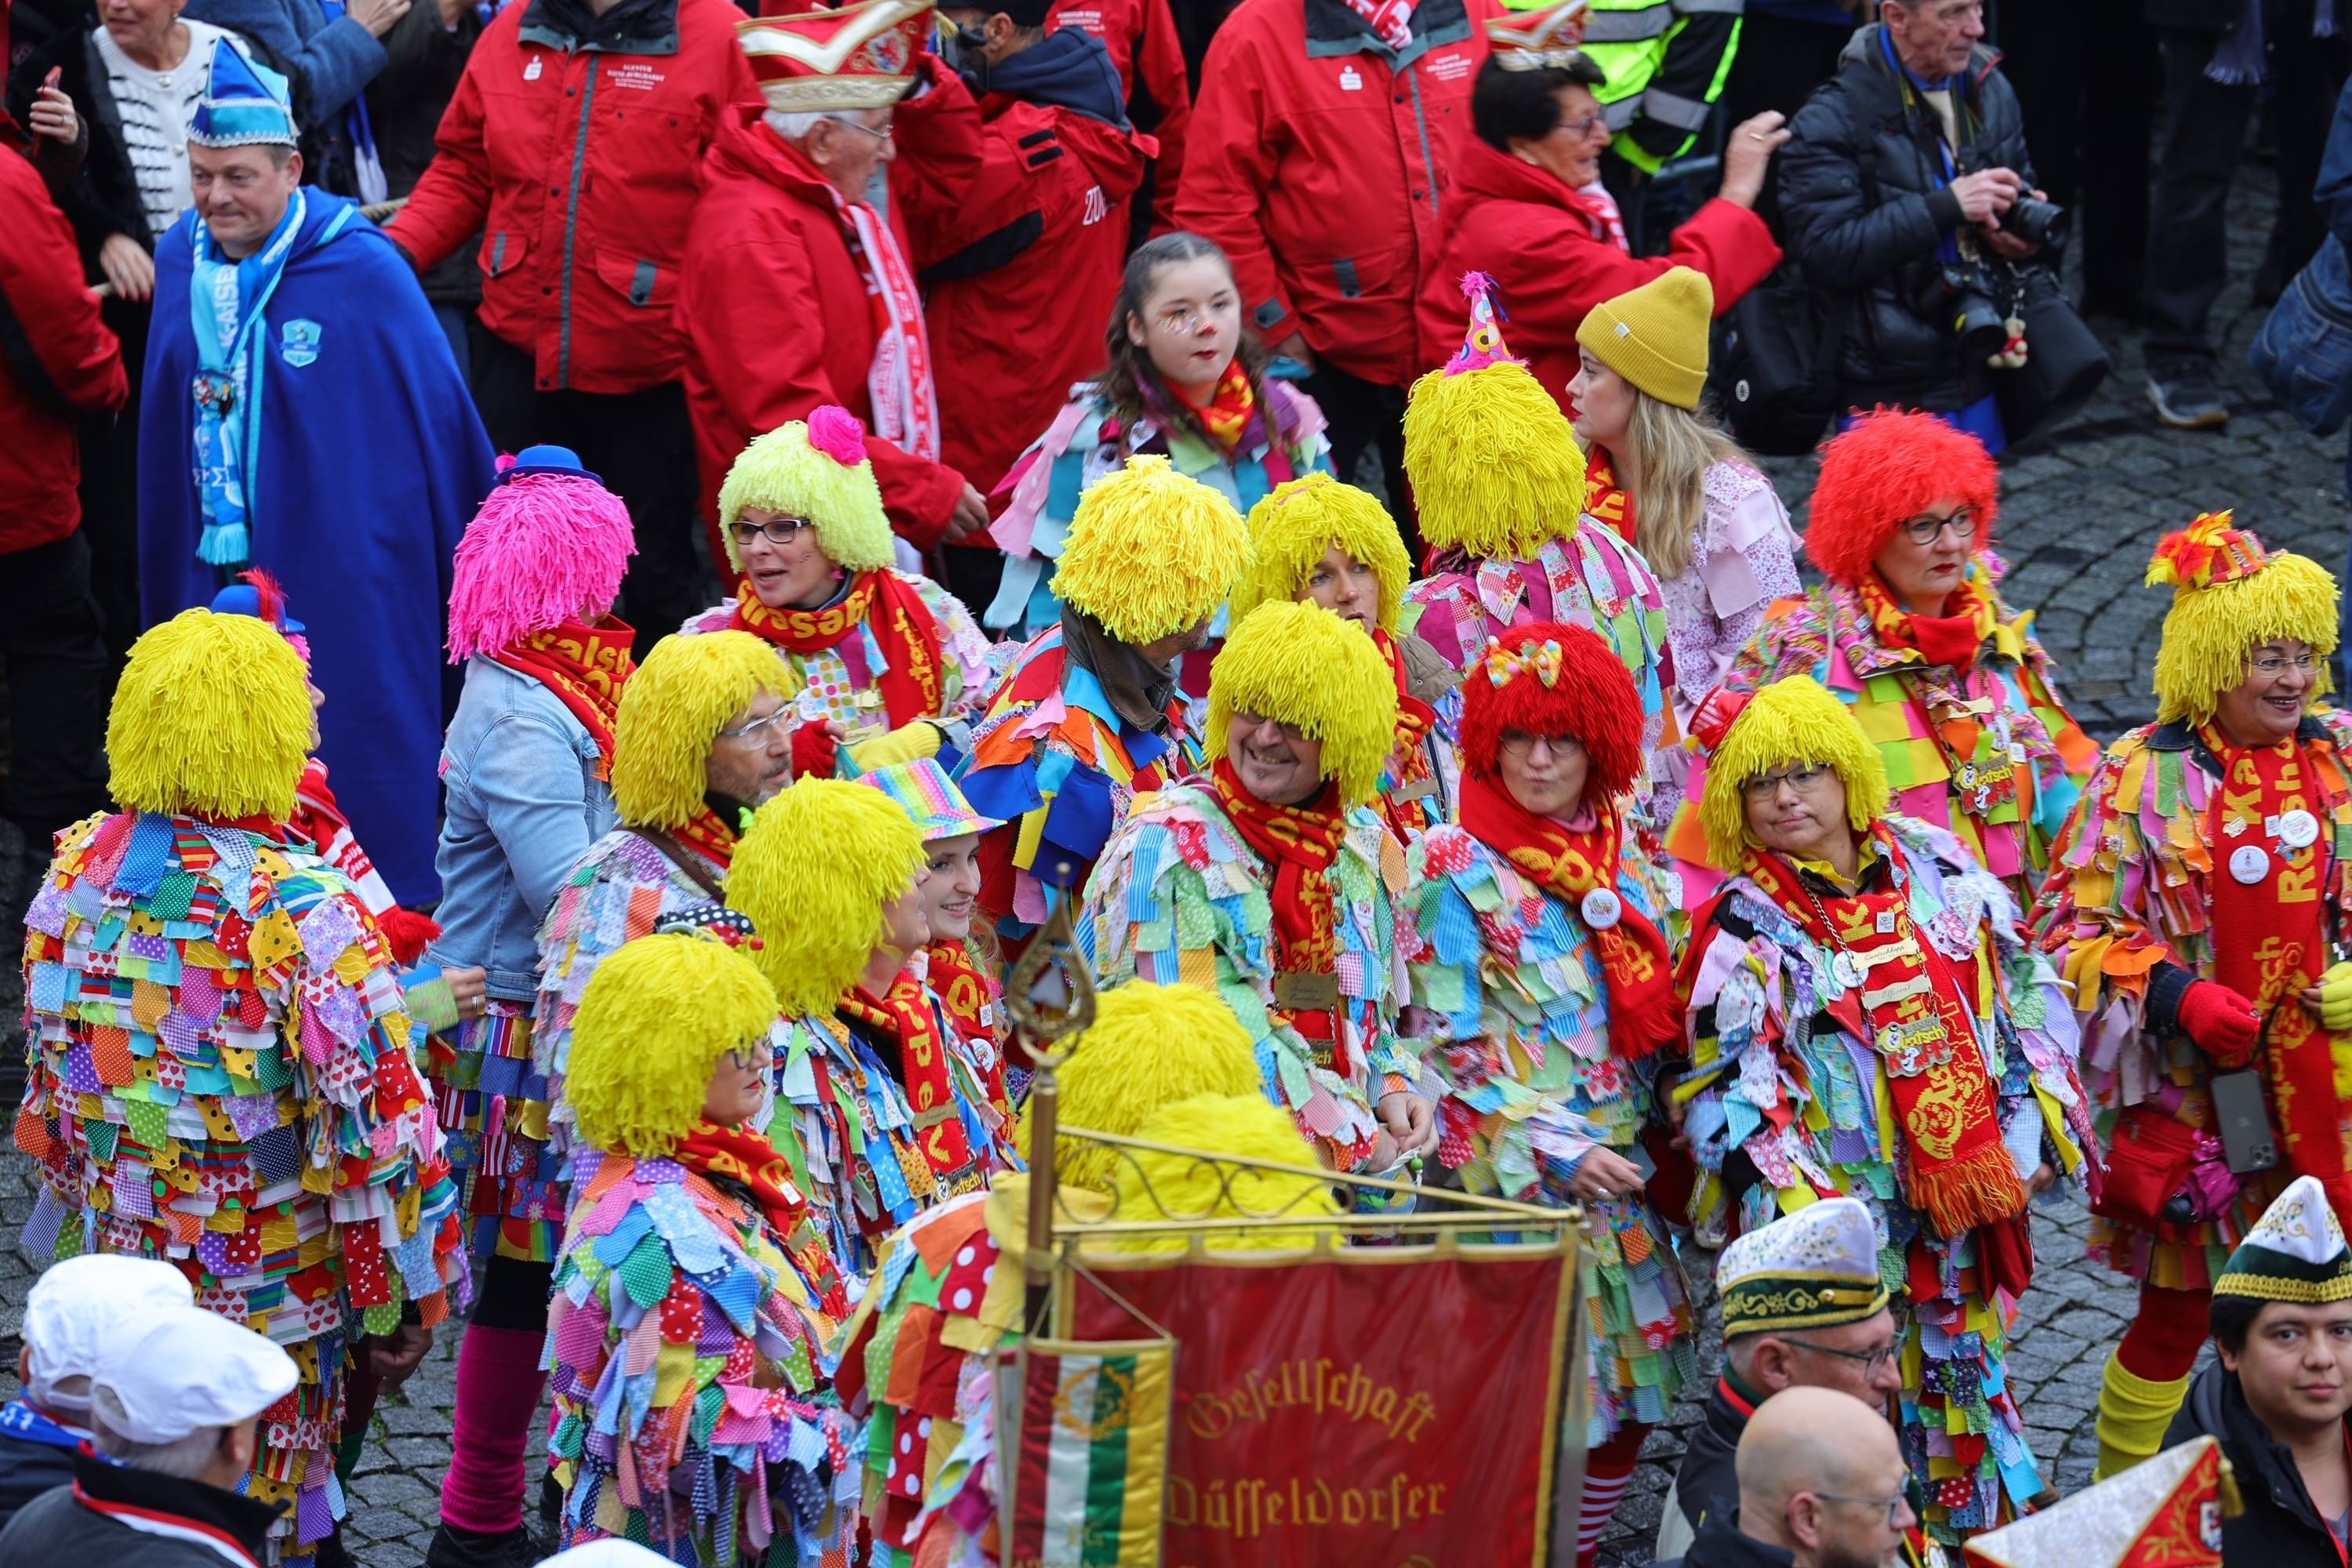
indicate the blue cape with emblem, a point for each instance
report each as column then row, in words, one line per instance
column 370, row 461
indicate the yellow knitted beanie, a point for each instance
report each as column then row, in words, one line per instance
column 1655, row 336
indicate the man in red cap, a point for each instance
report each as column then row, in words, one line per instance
column 797, row 289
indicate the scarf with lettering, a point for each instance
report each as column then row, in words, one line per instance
column 1302, row 844
column 968, row 990
column 1952, row 639
column 748, row 1159
column 912, row 679
column 1391, row 19
column 709, row 833
column 585, row 666
column 2285, row 948
column 1413, row 778
column 899, row 388
column 904, row 1016
column 1604, row 498
column 1913, row 1006
column 1569, row 863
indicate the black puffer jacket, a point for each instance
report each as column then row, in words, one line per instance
column 1863, row 196
column 2280, row 1528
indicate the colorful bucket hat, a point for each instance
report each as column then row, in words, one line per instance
column 926, row 794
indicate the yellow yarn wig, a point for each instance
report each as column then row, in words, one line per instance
column 1245, row 1126
column 672, row 711
column 1151, row 552
column 1292, row 529
column 1495, row 465
column 2229, row 597
column 1790, row 721
column 212, row 718
column 656, row 1018
column 785, row 472
column 1150, row 1046
column 1302, row 666
column 815, row 870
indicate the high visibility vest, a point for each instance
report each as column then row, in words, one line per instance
column 1666, row 61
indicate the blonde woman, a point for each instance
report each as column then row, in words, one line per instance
column 1683, row 491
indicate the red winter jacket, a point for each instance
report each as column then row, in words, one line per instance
column 774, row 309
column 1149, row 55
column 575, row 158
column 1029, row 262
column 1552, row 262
column 57, row 359
column 1322, row 164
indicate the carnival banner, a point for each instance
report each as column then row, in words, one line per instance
column 1392, row 1407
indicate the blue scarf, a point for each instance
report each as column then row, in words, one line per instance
column 226, row 299
column 367, row 169
column 27, row 1425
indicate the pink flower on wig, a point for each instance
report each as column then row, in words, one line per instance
column 541, row 550
column 838, row 434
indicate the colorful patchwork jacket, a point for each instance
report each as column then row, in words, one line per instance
column 220, row 1074
column 692, row 1381
column 1179, row 896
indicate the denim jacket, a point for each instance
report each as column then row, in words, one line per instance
column 524, row 805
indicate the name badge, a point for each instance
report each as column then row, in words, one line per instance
column 1416, row 789
column 1301, row 991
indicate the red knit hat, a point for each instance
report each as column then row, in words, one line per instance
column 1891, row 467
column 1552, row 680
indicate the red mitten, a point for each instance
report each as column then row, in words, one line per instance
column 816, row 751
column 2222, row 1023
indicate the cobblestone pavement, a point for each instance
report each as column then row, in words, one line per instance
column 2078, row 519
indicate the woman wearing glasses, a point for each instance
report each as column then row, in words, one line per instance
column 1528, row 207
column 1534, row 939
column 882, row 656
column 1953, row 690
column 1865, row 1017
column 695, row 1295
column 1184, row 378
column 2196, row 901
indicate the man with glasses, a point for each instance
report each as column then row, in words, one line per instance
column 1803, row 1306
column 1822, row 1484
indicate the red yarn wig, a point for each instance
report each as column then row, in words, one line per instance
column 1591, row 698
column 1890, row 467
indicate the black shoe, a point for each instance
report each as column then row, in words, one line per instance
column 2186, row 397
column 456, row 1548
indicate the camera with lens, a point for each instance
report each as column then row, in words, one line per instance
column 1962, row 293
column 2036, row 222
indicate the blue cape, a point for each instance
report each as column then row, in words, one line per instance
column 369, row 463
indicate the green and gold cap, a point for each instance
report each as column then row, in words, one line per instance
column 2294, row 1253
column 1815, row 1268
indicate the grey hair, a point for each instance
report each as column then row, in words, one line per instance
column 187, row 1458
column 793, row 128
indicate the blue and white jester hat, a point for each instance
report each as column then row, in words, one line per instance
column 244, row 105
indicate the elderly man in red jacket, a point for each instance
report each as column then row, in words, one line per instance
column 796, row 292
column 572, row 149
column 1319, row 157
column 58, row 362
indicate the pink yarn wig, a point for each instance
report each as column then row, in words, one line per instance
column 541, row 550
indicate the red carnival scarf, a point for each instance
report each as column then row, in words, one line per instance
column 586, row 666
column 1226, row 415
column 2283, row 913
column 1604, row 498
column 1406, row 805
column 1952, row 639
column 1391, row 19
column 1571, row 864
column 1302, row 844
column 899, row 388
column 747, row 1157
column 912, row 686
column 1911, row 1003
column 969, row 993
column 904, row 1016
column 708, row 836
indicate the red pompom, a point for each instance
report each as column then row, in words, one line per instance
column 408, row 933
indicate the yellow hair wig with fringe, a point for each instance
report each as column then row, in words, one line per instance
column 212, row 718
column 1292, row 529
column 2209, row 632
column 815, row 870
column 672, row 709
column 656, row 1018
column 1300, row 665
column 1150, row 551
column 1495, row 465
column 1150, row 1046
column 782, row 473
column 1790, row 721
column 1244, row 1127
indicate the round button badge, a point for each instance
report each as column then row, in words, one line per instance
column 2298, row 829
column 2250, row 863
column 1601, row 909
column 1847, row 968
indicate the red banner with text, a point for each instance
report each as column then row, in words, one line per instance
column 1395, row 1407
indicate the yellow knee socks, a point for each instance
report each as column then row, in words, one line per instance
column 2132, row 1413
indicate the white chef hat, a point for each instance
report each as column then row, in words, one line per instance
column 82, row 1305
column 184, row 1370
